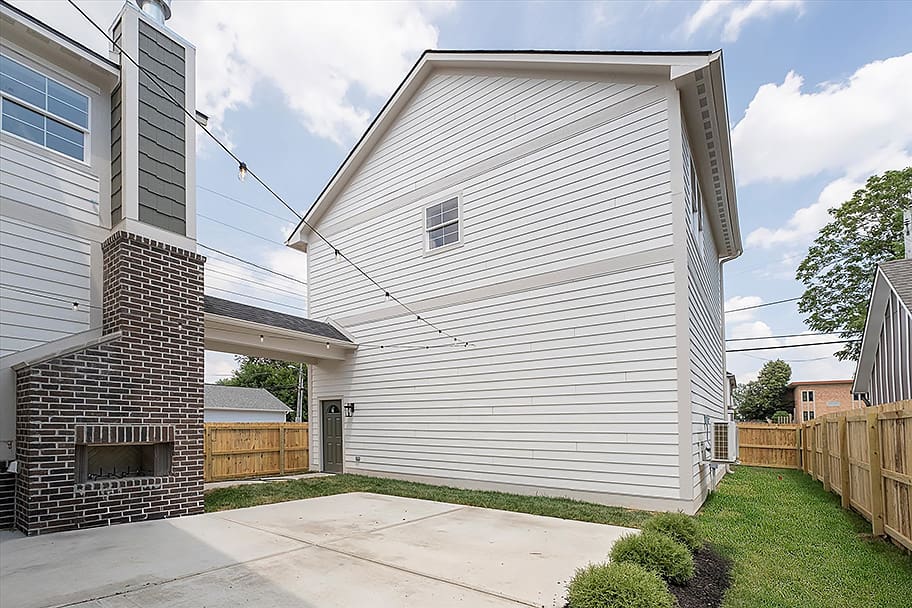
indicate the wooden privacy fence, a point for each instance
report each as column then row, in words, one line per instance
column 234, row 450
column 864, row 456
column 769, row 445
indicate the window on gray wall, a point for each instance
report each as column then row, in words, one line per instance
column 441, row 224
column 42, row 110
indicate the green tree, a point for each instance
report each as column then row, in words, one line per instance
column 278, row 377
column 760, row 399
column 839, row 268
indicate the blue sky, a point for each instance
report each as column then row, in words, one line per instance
column 819, row 98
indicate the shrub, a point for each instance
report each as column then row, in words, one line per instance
column 617, row 585
column 656, row 552
column 680, row 527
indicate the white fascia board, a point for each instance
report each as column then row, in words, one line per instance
column 566, row 62
column 877, row 306
column 232, row 322
column 55, row 39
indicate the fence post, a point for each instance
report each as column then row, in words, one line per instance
column 825, row 447
column 812, row 431
column 207, row 454
column 877, row 520
column 281, row 448
column 844, row 462
column 800, row 444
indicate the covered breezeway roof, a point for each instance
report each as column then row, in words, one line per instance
column 242, row 329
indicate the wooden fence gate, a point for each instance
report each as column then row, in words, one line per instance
column 864, row 456
column 234, row 450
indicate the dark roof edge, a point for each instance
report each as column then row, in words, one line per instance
column 41, row 24
column 564, row 52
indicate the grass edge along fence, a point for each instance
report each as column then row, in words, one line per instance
column 235, row 450
column 864, row 456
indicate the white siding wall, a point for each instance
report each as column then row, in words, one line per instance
column 43, row 270
column 707, row 339
column 564, row 287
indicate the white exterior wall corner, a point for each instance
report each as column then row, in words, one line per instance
column 676, row 133
column 572, row 386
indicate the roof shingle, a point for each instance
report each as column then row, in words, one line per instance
column 244, row 312
column 899, row 273
column 222, row 397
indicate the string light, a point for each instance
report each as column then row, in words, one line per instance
column 387, row 296
column 336, row 255
column 262, row 338
column 327, row 346
column 75, row 305
column 243, row 169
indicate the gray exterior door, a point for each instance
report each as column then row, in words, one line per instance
column 331, row 429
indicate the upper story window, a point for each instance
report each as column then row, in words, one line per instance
column 442, row 224
column 41, row 110
column 807, row 396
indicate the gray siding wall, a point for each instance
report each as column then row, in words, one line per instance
column 891, row 375
column 564, row 285
column 162, row 158
column 706, row 325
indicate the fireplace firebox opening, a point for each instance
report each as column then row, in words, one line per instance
column 103, row 462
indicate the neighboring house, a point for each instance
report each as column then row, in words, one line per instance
column 821, row 397
column 103, row 321
column 241, row 404
column 884, row 371
column 566, row 216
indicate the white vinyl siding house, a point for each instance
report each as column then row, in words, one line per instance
column 565, row 376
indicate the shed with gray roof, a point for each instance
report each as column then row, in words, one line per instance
column 242, row 404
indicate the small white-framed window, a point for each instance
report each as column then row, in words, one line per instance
column 808, row 415
column 443, row 224
column 43, row 111
column 807, row 396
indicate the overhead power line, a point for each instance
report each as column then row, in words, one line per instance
column 823, row 333
column 762, row 305
column 742, row 350
column 244, row 170
column 240, row 202
column 247, row 232
column 249, row 263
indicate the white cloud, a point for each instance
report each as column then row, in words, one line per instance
column 788, row 133
column 805, row 223
column 735, row 15
column 218, row 366
column 737, row 302
column 315, row 53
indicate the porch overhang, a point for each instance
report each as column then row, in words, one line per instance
column 240, row 329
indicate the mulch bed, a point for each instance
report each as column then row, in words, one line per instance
column 711, row 580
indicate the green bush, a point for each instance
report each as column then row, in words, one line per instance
column 656, row 552
column 680, row 527
column 617, row 585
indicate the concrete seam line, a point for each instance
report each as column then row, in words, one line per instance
column 178, row 578
column 388, row 565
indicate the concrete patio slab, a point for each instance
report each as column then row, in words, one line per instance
column 526, row 557
column 345, row 550
column 333, row 517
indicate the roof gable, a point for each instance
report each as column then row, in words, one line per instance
column 677, row 67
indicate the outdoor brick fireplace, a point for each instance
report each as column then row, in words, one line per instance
column 113, row 432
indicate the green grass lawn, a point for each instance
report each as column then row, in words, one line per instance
column 791, row 544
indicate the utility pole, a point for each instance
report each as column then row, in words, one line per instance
column 299, row 414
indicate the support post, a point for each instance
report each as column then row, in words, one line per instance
column 299, row 411
column 844, row 463
column 874, row 461
column 282, row 448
